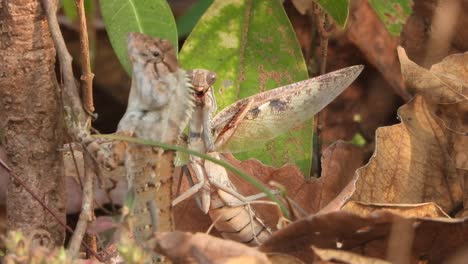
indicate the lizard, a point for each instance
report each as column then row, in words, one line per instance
column 159, row 108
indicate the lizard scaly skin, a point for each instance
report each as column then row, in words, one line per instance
column 159, row 108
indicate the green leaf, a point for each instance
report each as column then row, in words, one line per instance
column 392, row 13
column 337, row 9
column 252, row 47
column 226, row 165
column 152, row 17
column 186, row 22
column 69, row 8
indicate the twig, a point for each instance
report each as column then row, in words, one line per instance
column 324, row 25
column 91, row 239
column 86, row 214
column 75, row 163
column 86, row 76
column 54, row 215
column 72, row 102
column 77, row 123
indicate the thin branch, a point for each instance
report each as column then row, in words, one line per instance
column 86, row 214
column 36, row 197
column 75, row 163
column 91, row 240
column 86, row 76
column 324, row 26
column 77, row 119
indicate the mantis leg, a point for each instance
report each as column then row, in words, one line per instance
column 188, row 174
column 199, row 187
column 207, row 137
column 194, row 189
column 242, row 200
column 252, row 198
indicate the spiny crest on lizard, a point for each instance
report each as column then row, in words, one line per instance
column 159, row 82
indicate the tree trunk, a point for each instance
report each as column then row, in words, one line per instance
column 30, row 120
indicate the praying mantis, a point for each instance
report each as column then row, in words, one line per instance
column 245, row 124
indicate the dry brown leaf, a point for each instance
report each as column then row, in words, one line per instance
column 339, row 162
column 243, row 260
column 411, row 163
column 405, row 210
column 444, row 83
column 445, row 88
column 432, row 21
column 278, row 258
column 182, row 247
column 365, row 30
column 459, row 257
column 346, row 257
column 400, row 240
column 434, row 239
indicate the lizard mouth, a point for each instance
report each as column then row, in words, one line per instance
column 199, row 93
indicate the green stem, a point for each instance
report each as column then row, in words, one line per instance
column 226, row 165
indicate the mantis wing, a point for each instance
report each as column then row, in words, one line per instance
column 252, row 121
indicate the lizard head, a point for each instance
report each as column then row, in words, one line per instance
column 202, row 81
column 150, row 54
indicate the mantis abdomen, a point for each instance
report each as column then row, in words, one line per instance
column 240, row 224
column 231, row 212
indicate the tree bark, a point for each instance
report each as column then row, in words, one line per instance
column 31, row 120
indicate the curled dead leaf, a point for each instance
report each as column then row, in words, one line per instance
column 339, row 162
column 434, row 239
column 411, row 163
column 182, row 247
column 365, row 30
column 345, row 257
column 431, row 210
column 444, row 83
column 277, row 258
column 243, row 259
column 444, row 88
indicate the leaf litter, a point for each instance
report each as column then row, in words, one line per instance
column 409, row 203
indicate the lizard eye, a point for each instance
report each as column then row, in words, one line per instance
column 211, row 78
column 156, row 53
